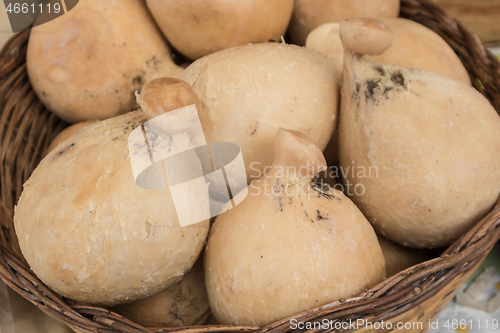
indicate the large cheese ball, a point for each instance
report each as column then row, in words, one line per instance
column 67, row 132
column 291, row 245
column 248, row 92
column 309, row 14
column 431, row 143
column 86, row 64
column 198, row 28
column 90, row 233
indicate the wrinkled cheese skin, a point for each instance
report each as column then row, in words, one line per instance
column 434, row 142
column 250, row 91
column 90, row 233
column 278, row 254
column 86, row 64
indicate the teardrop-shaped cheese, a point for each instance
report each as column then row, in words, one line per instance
column 431, row 142
column 250, row 91
column 291, row 245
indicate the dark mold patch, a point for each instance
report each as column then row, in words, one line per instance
column 399, row 79
column 358, row 87
column 253, row 130
column 128, row 125
column 137, row 80
column 386, row 90
column 382, row 71
column 153, row 62
column 319, row 216
column 277, row 190
column 323, row 190
column 355, row 95
column 371, row 85
column 65, row 149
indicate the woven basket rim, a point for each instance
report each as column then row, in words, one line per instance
column 387, row 300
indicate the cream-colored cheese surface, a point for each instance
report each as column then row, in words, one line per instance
column 248, row 92
column 90, row 233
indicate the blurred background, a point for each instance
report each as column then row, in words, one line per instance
column 482, row 16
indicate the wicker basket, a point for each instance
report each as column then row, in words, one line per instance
column 415, row 295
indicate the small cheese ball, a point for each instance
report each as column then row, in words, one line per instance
column 183, row 304
column 398, row 257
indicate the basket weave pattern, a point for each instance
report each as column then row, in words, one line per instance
column 414, row 295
